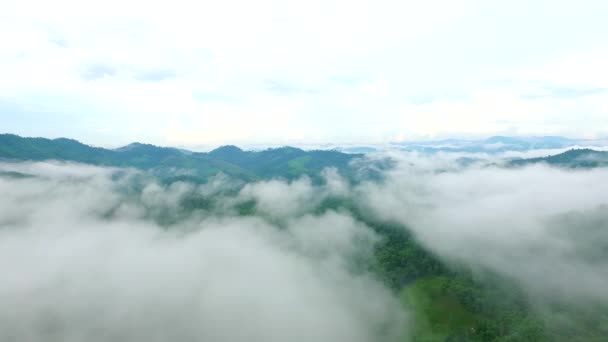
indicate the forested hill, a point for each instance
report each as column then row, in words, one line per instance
column 288, row 162
column 575, row 158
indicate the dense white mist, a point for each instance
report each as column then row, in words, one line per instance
column 282, row 200
column 80, row 261
column 83, row 256
column 545, row 227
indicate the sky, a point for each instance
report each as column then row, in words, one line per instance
column 207, row 73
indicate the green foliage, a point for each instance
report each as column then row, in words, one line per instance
column 454, row 307
column 285, row 162
column 438, row 313
column 447, row 302
column 575, row 158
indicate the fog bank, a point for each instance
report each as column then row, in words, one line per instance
column 82, row 260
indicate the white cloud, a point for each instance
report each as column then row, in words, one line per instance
column 542, row 226
column 81, row 261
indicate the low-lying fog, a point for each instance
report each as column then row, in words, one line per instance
column 102, row 254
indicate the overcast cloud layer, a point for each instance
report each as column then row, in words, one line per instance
column 270, row 72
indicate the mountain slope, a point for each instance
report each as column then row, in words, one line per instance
column 285, row 162
column 576, row 158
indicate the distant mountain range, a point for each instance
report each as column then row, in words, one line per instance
column 492, row 145
column 497, row 144
column 287, row 162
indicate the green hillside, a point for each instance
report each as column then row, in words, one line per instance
column 575, row 158
column 447, row 302
column 286, row 162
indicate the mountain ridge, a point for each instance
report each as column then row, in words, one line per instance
column 282, row 162
column 573, row 158
column 287, row 162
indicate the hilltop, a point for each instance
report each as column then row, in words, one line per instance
column 287, row 162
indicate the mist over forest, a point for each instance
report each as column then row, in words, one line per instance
column 393, row 246
column 303, row 171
